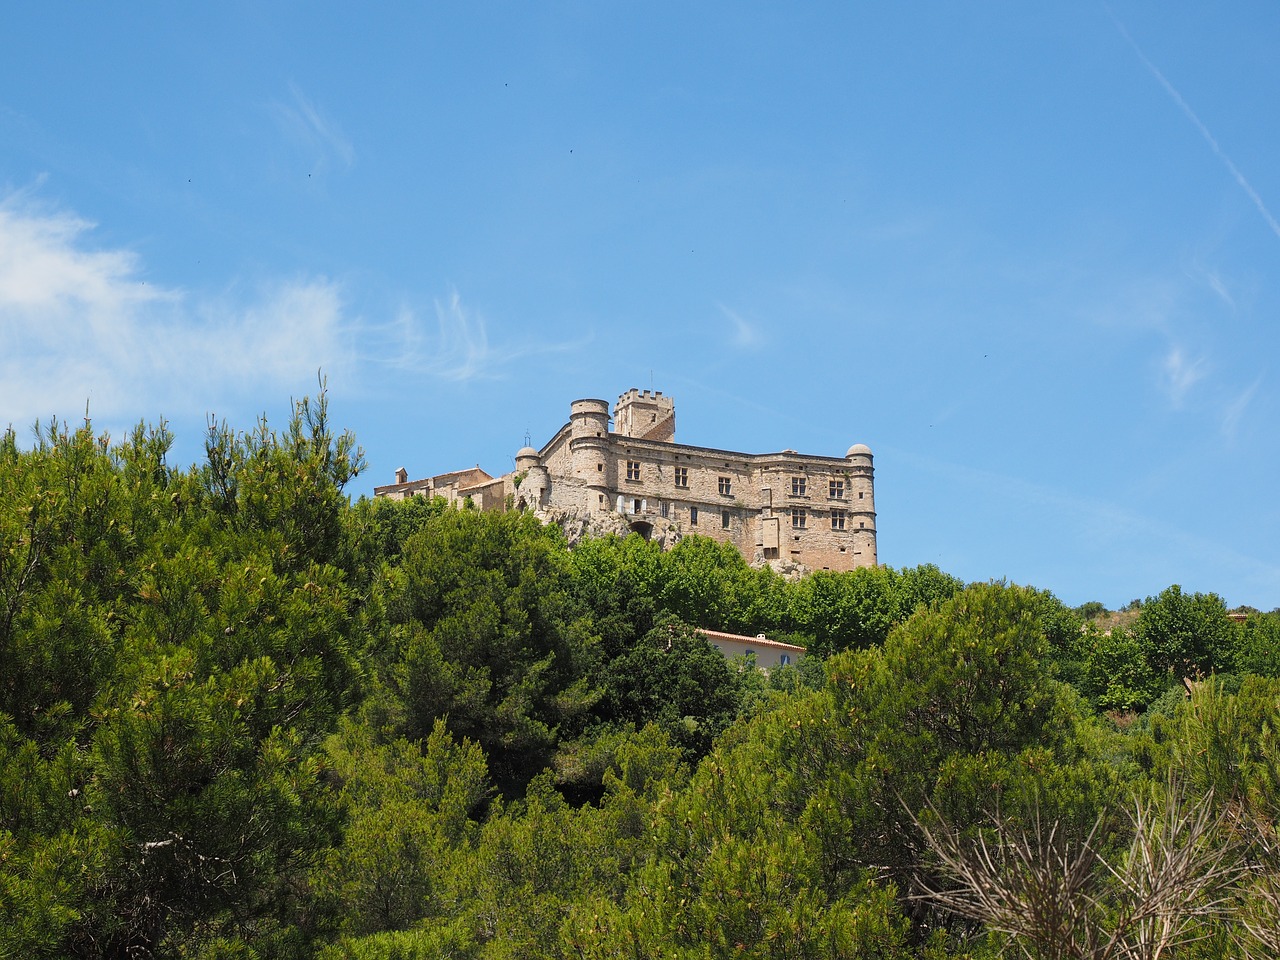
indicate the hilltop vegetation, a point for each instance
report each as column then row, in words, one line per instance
column 241, row 717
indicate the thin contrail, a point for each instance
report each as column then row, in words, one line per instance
column 1204, row 131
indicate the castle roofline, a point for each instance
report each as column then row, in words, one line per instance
column 783, row 456
column 477, row 475
column 407, row 485
column 460, row 473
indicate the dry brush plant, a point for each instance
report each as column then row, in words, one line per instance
column 1259, row 914
column 1059, row 898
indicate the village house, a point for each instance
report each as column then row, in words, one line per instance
column 769, row 654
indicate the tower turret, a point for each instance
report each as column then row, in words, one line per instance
column 534, row 480
column 862, row 511
column 589, row 449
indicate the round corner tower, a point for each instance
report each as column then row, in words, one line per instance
column 863, row 501
column 589, row 450
column 535, row 480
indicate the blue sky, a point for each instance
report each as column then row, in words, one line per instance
column 1028, row 252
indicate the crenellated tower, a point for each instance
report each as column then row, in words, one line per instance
column 645, row 416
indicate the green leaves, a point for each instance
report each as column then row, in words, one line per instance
column 241, row 717
column 408, row 810
column 1188, row 635
column 486, row 634
column 174, row 646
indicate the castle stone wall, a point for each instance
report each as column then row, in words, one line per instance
column 778, row 507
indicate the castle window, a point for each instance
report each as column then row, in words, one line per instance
column 665, row 508
column 724, row 519
column 633, row 469
column 837, row 489
column 837, row 519
column 599, row 468
column 860, row 494
column 799, row 518
column 682, row 477
column 726, row 486
column 798, row 486
column 693, row 516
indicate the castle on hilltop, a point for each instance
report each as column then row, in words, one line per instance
column 818, row 512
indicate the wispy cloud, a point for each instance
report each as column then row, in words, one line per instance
column 1199, row 125
column 1180, row 373
column 1235, row 410
column 1217, row 286
column 310, row 129
column 1144, row 303
column 746, row 335
column 462, row 345
column 79, row 323
column 458, row 346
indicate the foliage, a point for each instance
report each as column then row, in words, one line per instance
column 408, row 812
column 675, row 678
column 1117, row 673
column 174, row 646
column 242, row 717
column 485, row 633
column 1257, row 646
column 1188, row 635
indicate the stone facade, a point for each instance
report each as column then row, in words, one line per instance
column 818, row 512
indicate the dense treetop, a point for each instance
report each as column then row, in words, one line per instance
column 241, row 716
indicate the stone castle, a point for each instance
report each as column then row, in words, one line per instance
column 810, row 511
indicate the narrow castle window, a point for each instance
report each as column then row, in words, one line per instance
column 724, row 519
column 837, row 490
column 682, row 477
column 799, row 518
column 726, row 487
column 837, row 519
column 798, row 486
column 599, row 468
column 693, row 516
column 633, row 469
